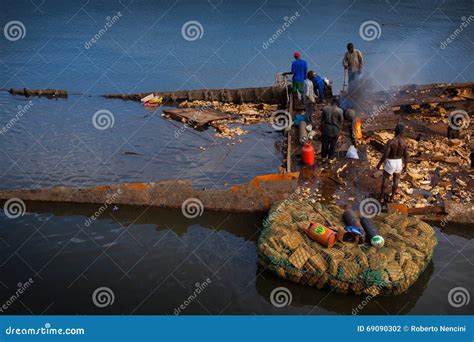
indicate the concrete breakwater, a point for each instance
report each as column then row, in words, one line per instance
column 257, row 195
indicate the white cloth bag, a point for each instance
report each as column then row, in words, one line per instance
column 352, row 153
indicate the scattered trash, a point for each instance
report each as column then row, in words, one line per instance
column 350, row 219
column 350, row 234
column 323, row 235
column 372, row 232
column 352, row 153
column 152, row 101
column 147, row 98
column 246, row 114
column 377, row 241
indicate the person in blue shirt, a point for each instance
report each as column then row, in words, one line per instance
column 299, row 70
column 318, row 84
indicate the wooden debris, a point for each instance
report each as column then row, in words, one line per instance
column 196, row 118
column 50, row 93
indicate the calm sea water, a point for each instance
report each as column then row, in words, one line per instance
column 151, row 258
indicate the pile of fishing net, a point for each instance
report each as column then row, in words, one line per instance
column 285, row 248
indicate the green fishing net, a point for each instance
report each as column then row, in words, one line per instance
column 285, row 249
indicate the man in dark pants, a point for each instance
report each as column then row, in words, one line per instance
column 331, row 122
column 350, row 116
column 353, row 62
column 395, row 158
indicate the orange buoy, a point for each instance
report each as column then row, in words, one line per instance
column 321, row 234
column 307, row 154
column 358, row 129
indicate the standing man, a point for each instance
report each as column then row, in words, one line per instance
column 395, row 158
column 353, row 62
column 309, row 98
column 331, row 122
column 350, row 117
column 299, row 69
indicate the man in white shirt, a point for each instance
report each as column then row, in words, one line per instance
column 309, row 97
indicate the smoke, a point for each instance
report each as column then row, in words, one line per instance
column 361, row 94
column 384, row 70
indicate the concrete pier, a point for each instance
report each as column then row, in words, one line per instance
column 257, row 195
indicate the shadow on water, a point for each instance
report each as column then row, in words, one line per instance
column 457, row 229
column 313, row 300
column 243, row 225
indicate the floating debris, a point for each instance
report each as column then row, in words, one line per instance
column 50, row 93
column 238, row 114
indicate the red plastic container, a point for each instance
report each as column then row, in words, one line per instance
column 307, row 154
